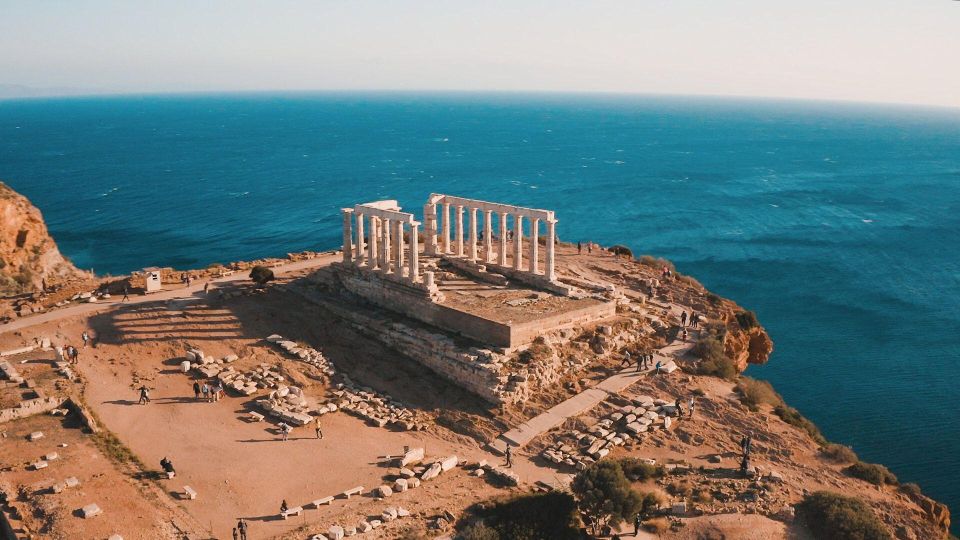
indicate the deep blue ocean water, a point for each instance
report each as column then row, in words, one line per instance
column 838, row 224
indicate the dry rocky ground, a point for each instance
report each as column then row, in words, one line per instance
column 242, row 468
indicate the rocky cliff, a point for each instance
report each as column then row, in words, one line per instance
column 29, row 258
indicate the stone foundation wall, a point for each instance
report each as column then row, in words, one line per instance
column 417, row 304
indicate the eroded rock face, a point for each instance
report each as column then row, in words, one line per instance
column 29, row 257
column 752, row 346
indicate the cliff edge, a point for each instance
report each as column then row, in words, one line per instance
column 29, row 258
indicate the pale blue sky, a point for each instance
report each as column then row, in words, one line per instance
column 904, row 51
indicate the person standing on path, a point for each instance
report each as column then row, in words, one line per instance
column 692, row 403
column 285, row 430
column 679, row 408
column 683, row 318
column 658, row 368
column 636, row 524
column 579, row 247
column 126, row 294
column 205, row 390
column 196, row 390
column 206, row 288
column 235, row 535
column 626, row 359
column 144, row 395
column 509, row 455
column 86, row 338
column 242, row 527
column 283, row 506
column 319, row 431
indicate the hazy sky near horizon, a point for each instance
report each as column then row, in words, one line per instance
column 905, row 51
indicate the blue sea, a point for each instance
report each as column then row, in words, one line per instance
column 839, row 224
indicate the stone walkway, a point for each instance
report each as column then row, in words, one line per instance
column 521, row 435
column 322, row 259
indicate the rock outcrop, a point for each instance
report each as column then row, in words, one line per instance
column 29, row 258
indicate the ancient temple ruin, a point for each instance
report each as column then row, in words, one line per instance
column 467, row 275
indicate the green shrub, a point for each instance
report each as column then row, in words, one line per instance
column 747, row 319
column 634, row 468
column 479, row 531
column 657, row 526
column 656, row 262
column 714, row 360
column 839, row 453
column 911, row 489
column 621, row 250
column 604, row 495
column 261, row 275
column 872, row 472
column 834, row 516
column 753, row 393
column 529, row 517
column 713, row 298
column 793, row 417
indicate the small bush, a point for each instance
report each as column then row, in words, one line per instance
column 714, row 360
column 635, row 469
column 538, row 350
column 698, row 392
column 529, row 517
column 839, row 453
column 261, row 275
column 691, row 281
column 713, row 298
column 621, row 250
column 834, row 516
column 747, row 319
column 702, row 496
column 872, row 472
column 604, row 495
column 658, row 525
column 911, row 489
column 753, row 393
column 479, row 531
column 793, row 417
column 680, row 488
column 656, row 262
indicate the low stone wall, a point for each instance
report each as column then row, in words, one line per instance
column 30, row 407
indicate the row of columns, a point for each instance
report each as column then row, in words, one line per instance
column 382, row 248
column 488, row 255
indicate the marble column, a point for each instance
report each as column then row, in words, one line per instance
column 414, row 266
column 487, row 234
column 517, row 241
column 446, row 228
column 430, row 229
column 551, row 246
column 473, row 234
column 398, row 250
column 347, row 235
column 374, row 248
column 503, row 239
column 361, row 240
column 459, row 225
column 385, row 246
column 534, row 245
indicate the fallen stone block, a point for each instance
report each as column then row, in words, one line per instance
column 90, row 511
column 40, row 465
column 384, row 491
column 413, row 482
column 72, row 482
column 51, row 456
column 414, row 455
column 335, row 533
column 375, row 523
column 115, row 537
column 449, row 463
column 402, row 512
column 433, row 472
column 36, row 435
column 400, row 485
column 389, row 514
column 364, row 527
column 58, row 488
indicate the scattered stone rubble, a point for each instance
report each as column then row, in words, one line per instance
column 579, row 449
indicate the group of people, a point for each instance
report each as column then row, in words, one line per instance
column 643, row 361
column 580, row 247
column 208, row 391
column 693, row 320
column 240, row 531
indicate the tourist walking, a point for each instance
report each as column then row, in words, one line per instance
column 589, row 247
column 205, row 390
column 679, row 408
column 206, row 288
column 691, row 405
column 167, row 467
column 285, row 430
column 683, row 318
column 684, row 334
column 626, row 359
column 658, row 368
column 317, row 427
column 86, row 339
column 509, row 455
column 579, row 247
column 144, row 395
column 236, row 536
column 283, row 506
column 695, row 320
column 196, row 390
column 242, row 527
column 636, row 524
column 126, row 294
